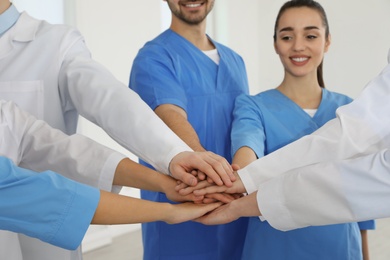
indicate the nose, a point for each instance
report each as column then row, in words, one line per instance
column 299, row 44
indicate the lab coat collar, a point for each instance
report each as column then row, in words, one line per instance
column 24, row 30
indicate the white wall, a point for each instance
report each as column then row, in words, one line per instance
column 50, row 10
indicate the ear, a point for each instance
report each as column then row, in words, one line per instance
column 276, row 48
column 328, row 42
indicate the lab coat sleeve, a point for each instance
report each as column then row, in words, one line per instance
column 351, row 190
column 34, row 145
column 361, row 127
column 45, row 205
column 105, row 101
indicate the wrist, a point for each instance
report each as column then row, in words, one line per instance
column 167, row 212
column 235, row 209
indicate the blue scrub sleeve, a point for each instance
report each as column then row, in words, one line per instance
column 247, row 126
column 367, row 225
column 45, row 205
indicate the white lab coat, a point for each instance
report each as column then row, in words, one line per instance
column 25, row 141
column 48, row 71
column 335, row 185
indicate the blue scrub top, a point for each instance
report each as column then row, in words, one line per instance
column 265, row 123
column 171, row 70
column 46, row 206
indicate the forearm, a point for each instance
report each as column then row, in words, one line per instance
column 176, row 119
column 132, row 174
column 246, row 206
column 244, row 156
column 118, row 209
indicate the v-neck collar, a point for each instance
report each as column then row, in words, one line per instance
column 298, row 108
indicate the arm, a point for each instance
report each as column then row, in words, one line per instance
column 30, row 140
column 27, row 141
column 90, row 88
column 60, row 215
column 360, row 127
column 176, row 119
column 132, row 174
column 321, row 194
column 244, row 156
column 328, row 193
column 117, row 209
column 70, row 207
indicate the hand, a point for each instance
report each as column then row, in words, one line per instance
column 242, row 207
column 205, row 187
column 188, row 211
column 220, row 215
column 219, row 197
column 169, row 190
column 212, row 165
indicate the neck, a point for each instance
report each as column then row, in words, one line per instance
column 196, row 34
column 4, row 5
column 304, row 91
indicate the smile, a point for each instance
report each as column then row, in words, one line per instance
column 300, row 59
column 192, row 5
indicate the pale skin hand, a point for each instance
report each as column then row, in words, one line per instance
column 213, row 165
column 118, row 209
column 204, row 187
column 131, row 174
column 243, row 207
column 201, row 163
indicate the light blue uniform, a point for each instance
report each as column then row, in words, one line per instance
column 171, row 70
column 47, row 205
column 265, row 123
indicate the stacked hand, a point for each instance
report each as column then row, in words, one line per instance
column 207, row 178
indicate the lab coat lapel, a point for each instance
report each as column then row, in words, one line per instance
column 23, row 31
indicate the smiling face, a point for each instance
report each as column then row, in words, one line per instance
column 190, row 12
column 300, row 40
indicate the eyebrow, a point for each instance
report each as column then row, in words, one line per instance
column 307, row 28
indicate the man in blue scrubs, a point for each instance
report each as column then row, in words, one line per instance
column 191, row 82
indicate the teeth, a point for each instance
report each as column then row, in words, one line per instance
column 193, row 5
column 299, row 59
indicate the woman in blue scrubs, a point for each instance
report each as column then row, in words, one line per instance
column 272, row 119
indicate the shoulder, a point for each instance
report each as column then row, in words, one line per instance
column 161, row 48
column 339, row 98
column 259, row 100
column 32, row 29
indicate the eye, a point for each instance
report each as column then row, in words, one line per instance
column 311, row 37
column 286, row 38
